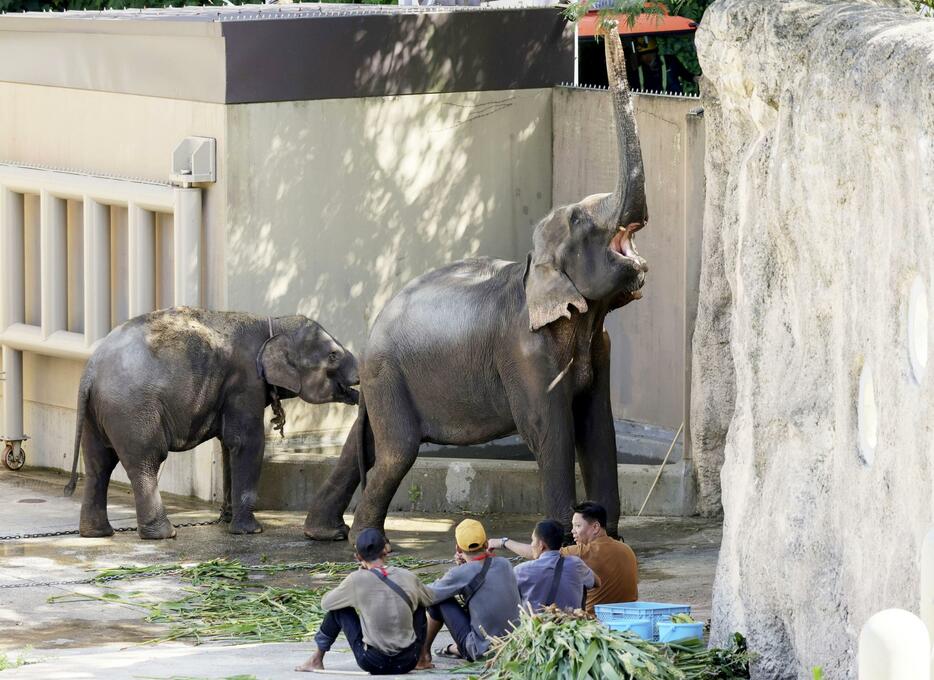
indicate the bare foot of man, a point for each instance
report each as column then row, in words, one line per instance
column 424, row 662
column 315, row 663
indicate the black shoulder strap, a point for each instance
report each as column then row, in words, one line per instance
column 555, row 581
column 393, row 585
column 477, row 581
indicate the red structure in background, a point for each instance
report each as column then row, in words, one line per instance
column 645, row 24
column 591, row 68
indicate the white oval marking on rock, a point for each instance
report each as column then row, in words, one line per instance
column 867, row 416
column 918, row 328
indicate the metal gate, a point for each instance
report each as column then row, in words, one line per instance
column 81, row 253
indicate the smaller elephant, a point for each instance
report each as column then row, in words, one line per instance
column 172, row 379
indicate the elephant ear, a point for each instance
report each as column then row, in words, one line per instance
column 278, row 367
column 549, row 292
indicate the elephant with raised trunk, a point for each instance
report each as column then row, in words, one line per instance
column 172, row 379
column 483, row 348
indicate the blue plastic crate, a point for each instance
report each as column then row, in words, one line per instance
column 672, row 632
column 653, row 612
column 641, row 627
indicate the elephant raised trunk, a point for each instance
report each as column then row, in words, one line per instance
column 626, row 206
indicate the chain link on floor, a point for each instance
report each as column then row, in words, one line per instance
column 292, row 566
column 121, row 530
column 93, row 579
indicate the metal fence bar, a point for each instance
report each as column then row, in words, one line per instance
column 96, row 271
column 148, row 195
column 187, row 247
column 53, row 268
column 142, row 265
column 102, row 198
column 12, row 307
column 13, row 300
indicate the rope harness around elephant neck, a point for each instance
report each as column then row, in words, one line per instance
column 278, row 414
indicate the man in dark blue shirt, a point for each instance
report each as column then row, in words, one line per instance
column 552, row 578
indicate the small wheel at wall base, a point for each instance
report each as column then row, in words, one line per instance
column 14, row 458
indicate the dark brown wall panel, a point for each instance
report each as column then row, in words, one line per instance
column 334, row 57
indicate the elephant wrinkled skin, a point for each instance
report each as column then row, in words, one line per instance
column 484, row 348
column 172, row 379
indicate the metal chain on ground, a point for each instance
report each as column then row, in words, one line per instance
column 93, row 579
column 121, row 530
column 291, row 566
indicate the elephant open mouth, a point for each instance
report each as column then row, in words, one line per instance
column 622, row 245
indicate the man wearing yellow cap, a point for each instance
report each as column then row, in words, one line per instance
column 487, row 587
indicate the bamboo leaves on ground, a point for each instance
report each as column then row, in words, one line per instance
column 574, row 646
column 224, row 604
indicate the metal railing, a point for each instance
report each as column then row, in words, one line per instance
column 144, row 202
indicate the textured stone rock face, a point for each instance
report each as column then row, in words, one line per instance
column 820, row 219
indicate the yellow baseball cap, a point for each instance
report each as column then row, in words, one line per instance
column 469, row 535
column 646, row 44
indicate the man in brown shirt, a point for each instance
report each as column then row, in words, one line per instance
column 613, row 562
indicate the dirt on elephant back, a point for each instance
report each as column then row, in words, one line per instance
column 176, row 329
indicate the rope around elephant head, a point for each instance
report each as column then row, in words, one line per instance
column 278, row 413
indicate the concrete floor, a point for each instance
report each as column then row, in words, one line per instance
column 98, row 640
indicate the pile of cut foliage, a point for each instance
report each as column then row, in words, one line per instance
column 573, row 645
column 225, row 602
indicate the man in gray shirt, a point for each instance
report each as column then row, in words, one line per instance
column 485, row 584
column 380, row 610
column 552, row 578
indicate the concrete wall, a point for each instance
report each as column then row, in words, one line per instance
column 820, row 222
column 651, row 338
column 471, row 485
column 334, row 205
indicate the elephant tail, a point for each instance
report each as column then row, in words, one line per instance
column 84, row 391
column 362, row 453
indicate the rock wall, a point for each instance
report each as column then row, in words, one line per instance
column 818, row 262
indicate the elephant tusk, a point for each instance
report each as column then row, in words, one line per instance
column 560, row 376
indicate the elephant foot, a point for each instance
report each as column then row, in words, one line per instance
column 157, row 532
column 245, row 526
column 96, row 531
column 327, row 533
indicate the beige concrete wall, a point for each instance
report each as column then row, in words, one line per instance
column 650, row 373
column 124, row 136
column 335, row 205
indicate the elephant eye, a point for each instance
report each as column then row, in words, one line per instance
column 333, row 357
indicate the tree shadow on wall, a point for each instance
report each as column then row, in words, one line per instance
column 336, row 204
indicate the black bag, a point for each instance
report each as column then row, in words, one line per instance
column 555, row 582
column 476, row 582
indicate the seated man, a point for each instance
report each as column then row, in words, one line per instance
column 551, row 578
column 381, row 611
column 613, row 562
column 487, row 586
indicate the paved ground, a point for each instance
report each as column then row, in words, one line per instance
column 100, row 640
